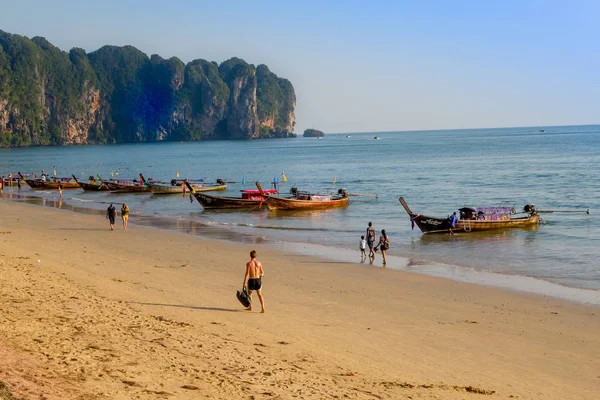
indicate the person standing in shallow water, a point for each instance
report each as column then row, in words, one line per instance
column 111, row 213
column 363, row 248
column 125, row 215
column 453, row 220
column 253, row 277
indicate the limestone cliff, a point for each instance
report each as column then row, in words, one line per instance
column 276, row 103
column 118, row 94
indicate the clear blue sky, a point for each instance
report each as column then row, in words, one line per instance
column 366, row 65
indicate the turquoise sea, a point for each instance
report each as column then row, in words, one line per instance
column 436, row 171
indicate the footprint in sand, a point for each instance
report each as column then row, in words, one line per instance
column 172, row 266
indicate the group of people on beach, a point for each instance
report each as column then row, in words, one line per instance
column 111, row 215
column 371, row 237
column 255, row 272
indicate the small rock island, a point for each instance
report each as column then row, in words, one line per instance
column 313, row 133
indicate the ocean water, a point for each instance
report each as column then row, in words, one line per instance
column 436, row 171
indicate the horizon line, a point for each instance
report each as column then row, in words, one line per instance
column 459, row 129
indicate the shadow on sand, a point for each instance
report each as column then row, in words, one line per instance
column 184, row 306
column 80, row 229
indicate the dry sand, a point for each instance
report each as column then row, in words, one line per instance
column 150, row 314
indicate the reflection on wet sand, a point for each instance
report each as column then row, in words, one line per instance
column 411, row 262
column 172, row 223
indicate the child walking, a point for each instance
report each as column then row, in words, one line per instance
column 363, row 248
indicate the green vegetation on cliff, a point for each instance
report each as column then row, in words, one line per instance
column 313, row 133
column 119, row 94
column 276, row 98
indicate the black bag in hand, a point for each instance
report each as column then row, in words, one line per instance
column 244, row 297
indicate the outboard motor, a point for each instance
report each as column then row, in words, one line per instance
column 530, row 209
column 294, row 191
column 173, row 182
column 220, row 181
column 91, row 178
column 342, row 192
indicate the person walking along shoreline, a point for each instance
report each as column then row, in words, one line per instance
column 253, row 278
column 111, row 213
column 125, row 215
column 383, row 245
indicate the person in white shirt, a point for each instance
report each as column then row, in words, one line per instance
column 363, row 248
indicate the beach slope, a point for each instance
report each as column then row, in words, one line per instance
column 86, row 313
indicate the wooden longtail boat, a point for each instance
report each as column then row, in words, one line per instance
column 306, row 201
column 92, row 185
column 127, row 186
column 177, row 187
column 475, row 219
column 251, row 199
column 67, row 183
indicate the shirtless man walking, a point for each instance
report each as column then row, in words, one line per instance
column 253, row 277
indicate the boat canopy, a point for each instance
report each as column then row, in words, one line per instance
column 487, row 210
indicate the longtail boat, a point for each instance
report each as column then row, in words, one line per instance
column 67, row 183
column 177, row 186
column 251, row 199
column 475, row 219
column 93, row 184
column 305, row 200
column 116, row 186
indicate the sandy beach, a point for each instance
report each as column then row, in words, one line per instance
column 86, row 313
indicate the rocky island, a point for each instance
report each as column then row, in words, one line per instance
column 120, row 95
column 313, row 133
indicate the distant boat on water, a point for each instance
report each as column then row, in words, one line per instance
column 348, row 136
column 542, row 130
column 376, row 138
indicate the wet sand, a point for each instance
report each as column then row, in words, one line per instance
column 149, row 313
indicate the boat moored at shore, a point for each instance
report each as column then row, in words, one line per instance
column 125, row 186
column 475, row 219
column 50, row 183
column 93, row 184
column 251, row 199
column 179, row 187
column 305, row 200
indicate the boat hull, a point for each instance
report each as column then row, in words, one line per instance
column 227, row 203
column 281, row 203
column 170, row 189
column 39, row 184
column 115, row 187
column 93, row 186
column 165, row 189
column 11, row 182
